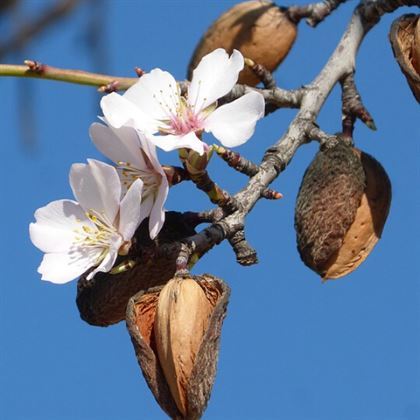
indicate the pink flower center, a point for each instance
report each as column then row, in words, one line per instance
column 185, row 122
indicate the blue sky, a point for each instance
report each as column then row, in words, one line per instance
column 292, row 348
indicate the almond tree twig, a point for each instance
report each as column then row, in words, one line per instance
column 314, row 12
column 277, row 157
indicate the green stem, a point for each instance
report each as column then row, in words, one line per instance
column 66, row 75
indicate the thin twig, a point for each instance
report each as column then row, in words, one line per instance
column 245, row 254
column 352, row 106
column 264, row 75
column 312, row 99
column 65, row 75
column 314, row 12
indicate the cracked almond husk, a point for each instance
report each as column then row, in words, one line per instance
column 175, row 330
column 405, row 42
column 260, row 30
column 341, row 209
column 102, row 301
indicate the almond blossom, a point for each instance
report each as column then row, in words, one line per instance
column 136, row 158
column 90, row 232
column 155, row 105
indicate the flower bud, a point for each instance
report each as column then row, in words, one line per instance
column 175, row 330
column 405, row 42
column 260, row 30
column 102, row 301
column 341, row 209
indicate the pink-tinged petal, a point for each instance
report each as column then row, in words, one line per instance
column 118, row 144
column 63, row 267
column 146, row 206
column 58, row 225
column 171, row 142
column 96, row 186
column 130, row 210
column 157, row 214
column 234, row 123
column 214, row 77
column 119, row 111
column 155, row 94
column 107, row 263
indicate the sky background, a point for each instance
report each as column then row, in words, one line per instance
column 292, row 348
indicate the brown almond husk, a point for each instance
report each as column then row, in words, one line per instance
column 405, row 42
column 102, row 301
column 260, row 30
column 141, row 321
column 342, row 206
column 368, row 224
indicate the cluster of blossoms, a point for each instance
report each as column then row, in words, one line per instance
column 91, row 232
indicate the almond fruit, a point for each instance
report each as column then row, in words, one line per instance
column 102, row 301
column 175, row 330
column 260, row 30
column 405, row 42
column 341, row 209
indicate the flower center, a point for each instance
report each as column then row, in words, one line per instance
column 102, row 235
column 181, row 118
column 129, row 173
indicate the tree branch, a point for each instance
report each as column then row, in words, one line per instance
column 314, row 12
column 42, row 71
column 312, row 98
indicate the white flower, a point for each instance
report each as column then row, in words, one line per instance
column 155, row 105
column 77, row 236
column 136, row 158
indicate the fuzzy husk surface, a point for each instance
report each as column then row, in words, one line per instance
column 327, row 203
column 341, row 209
column 102, row 301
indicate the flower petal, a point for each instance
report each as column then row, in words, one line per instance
column 118, row 144
column 119, row 111
column 234, row 123
column 155, row 94
column 130, row 210
column 157, row 214
column 96, row 186
column 171, row 142
column 214, row 77
column 106, row 264
column 63, row 267
column 58, row 225
column 150, row 150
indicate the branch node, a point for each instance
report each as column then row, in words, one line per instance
column 139, row 71
column 110, row 87
column 314, row 13
column 245, row 254
column 35, row 66
column 264, row 75
column 353, row 107
column 270, row 194
column 236, row 161
column 271, row 158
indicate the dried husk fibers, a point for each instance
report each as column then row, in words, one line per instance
column 341, row 209
column 405, row 42
column 102, row 301
column 175, row 330
column 260, row 30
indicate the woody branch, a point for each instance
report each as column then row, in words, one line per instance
column 340, row 64
column 309, row 99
